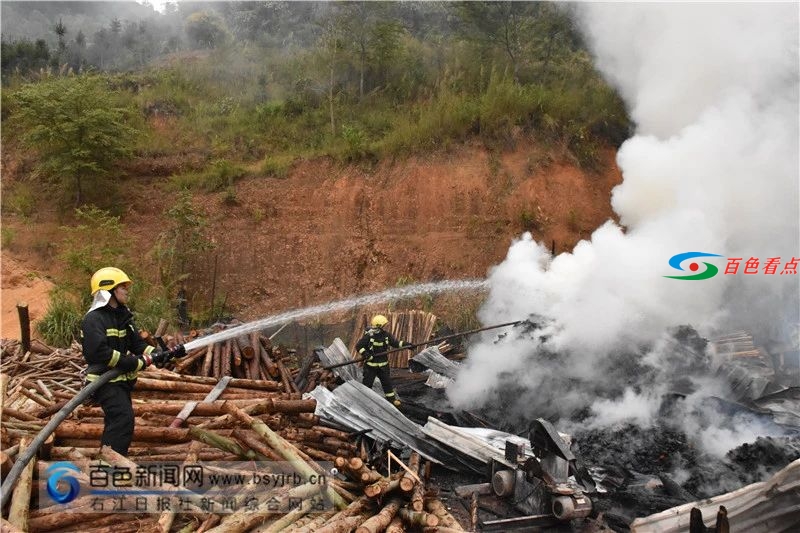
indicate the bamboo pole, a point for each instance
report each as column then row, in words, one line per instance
column 209, row 523
column 6, row 527
column 218, row 441
column 21, row 498
column 315, row 523
column 4, row 379
column 342, row 525
column 286, row 450
column 245, row 519
column 167, row 517
column 256, row 445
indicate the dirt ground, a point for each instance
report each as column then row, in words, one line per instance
column 327, row 232
column 21, row 286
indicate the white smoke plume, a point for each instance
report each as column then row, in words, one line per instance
column 712, row 167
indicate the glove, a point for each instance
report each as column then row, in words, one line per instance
column 146, row 359
column 161, row 359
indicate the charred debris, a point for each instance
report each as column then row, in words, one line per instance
column 428, row 466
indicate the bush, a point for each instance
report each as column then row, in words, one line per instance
column 97, row 239
column 277, row 166
column 220, row 175
column 21, row 200
column 150, row 311
column 355, row 143
column 61, row 323
column 6, row 237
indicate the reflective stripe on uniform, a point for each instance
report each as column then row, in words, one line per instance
column 389, row 394
column 149, row 350
column 111, row 332
column 115, row 355
column 378, row 364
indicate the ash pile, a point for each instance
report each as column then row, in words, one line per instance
column 667, row 427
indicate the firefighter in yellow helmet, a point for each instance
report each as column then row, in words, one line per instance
column 111, row 340
column 372, row 347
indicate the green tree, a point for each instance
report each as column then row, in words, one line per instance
column 181, row 241
column 205, row 30
column 97, row 239
column 77, row 128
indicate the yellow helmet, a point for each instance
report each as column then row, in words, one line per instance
column 378, row 321
column 107, row 278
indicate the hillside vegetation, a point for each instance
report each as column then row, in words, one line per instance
column 208, row 95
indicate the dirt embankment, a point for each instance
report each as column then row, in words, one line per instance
column 326, row 232
column 21, row 286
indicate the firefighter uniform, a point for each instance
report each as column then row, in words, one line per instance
column 373, row 346
column 109, row 338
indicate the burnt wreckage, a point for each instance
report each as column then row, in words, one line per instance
column 619, row 476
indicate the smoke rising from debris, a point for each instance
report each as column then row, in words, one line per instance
column 712, row 167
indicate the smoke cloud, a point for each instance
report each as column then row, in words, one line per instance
column 712, row 167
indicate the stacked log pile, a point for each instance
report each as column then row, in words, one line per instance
column 253, row 419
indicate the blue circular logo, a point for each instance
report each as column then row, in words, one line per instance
column 61, row 471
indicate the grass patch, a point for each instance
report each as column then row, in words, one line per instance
column 220, row 175
column 20, row 199
column 6, row 236
column 61, row 323
column 277, row 165
column 533, row 219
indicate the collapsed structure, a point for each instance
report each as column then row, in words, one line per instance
column 429, row 466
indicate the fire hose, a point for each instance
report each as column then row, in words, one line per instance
column 33, row 447
column 432, row 341
column 64, row 412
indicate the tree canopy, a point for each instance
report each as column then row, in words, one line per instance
column 77, row 129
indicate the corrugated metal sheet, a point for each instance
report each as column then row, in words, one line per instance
column 772, row 506
column 481, row 444
column 337, row 352
column 432, row 358
column 357, row 407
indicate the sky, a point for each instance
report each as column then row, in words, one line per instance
column 158, row 5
